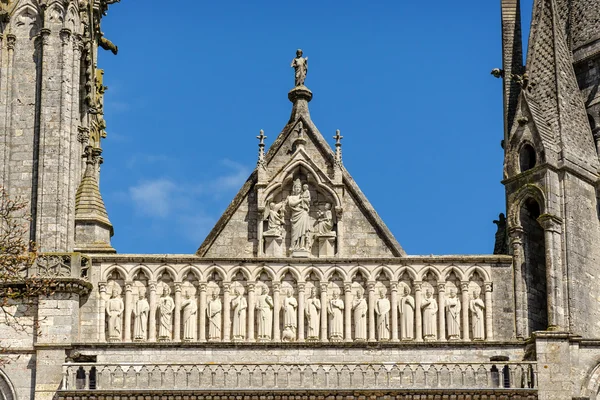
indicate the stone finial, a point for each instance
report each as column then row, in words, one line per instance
column 338, row 147
column 261, row 147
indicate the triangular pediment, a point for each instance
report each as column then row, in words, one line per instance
column 300, row 201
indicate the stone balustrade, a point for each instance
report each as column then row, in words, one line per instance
column 243, row 376
column 185, row 302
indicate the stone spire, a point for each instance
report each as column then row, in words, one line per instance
column 93, row 229
column 552, row 88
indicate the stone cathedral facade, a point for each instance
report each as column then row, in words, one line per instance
column 300, row 291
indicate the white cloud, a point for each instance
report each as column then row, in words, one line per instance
column 233, row 180
column 154, row 198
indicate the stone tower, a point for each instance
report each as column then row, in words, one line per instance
column 51, row 117
column 551, row 165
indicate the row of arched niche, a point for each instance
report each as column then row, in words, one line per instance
column 236, row 305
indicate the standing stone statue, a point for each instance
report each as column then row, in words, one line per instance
column 300, row 65
column 264, row 314
column 213, row 312
column 313, row 315
column 114, row 310
column 324, row 220
column 429, row 307
column 290, row 318
column 239, row 306
column 166, row 306
column 453, row 315
column 382, row 309
column 300, row 219
column 501, row 238
column 360, row 308
column 335, row 309
column 477, row 307
column 140, row 320
column 190, row 318
column 406, row 307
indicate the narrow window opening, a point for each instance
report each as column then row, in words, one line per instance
column 527, row 157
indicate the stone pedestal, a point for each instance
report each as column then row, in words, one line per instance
column 273, row 245
column 300, row 253
column 326, row 245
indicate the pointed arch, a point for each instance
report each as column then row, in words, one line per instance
column 54, row 14
column 426, row 270
column 215, row 268
column 412, row 273
column 186, row 270
column 363, row 270
column 452, row 268
column 292, row 270
column 481, row 271
column 269, row 271
column 529, row 191
column 115, row 267
column 140, row 267
column 165, row 268
column 331, row 271
column 26, row 17
column 72, row 19
column 239, row 268
column 383, row 269
column 306, row 273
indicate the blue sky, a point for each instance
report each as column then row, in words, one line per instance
column 407, row 83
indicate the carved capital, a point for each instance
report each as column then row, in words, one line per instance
column 347, row 287
column 488, row 286
column 301, row 286
column 65, row 36
column 276, row 286
column 394, row 286
column 152, row 286
column 251, row 286
column 464, row 286
column 418, row 285
column 102, row 286
column 83, row 135
column 550, row 223
column 226, row 287
column 177, row 287
column 203, row 287
column 323, row 286
column 371, row 286
column 45, row 36
column 441, row 287
column 128, row 286
column 10, row 41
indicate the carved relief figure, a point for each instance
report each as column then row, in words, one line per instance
column 264, row 314
column 213, row 312
column 453, row 315
column 140, row 317
column 239, row 306
column 406, row 307
column 190, row 317
column 290, row 305
column 429, row 308
column 477, row 307
column 313, row 314
column 382, row 309
column 335, row 309
column 166, row 306
column 324, row 220
column 114, row 310
column 300, row 65
column 360, row 307
column 274, row 218
column 299, row 218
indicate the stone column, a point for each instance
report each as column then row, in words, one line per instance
column 348, row 311
column 6, row 98
column 418, row 312
column 371, row 288
column 276, row 311
column 128, row 310
column 251, row 305
column 552, row 236
column 489, row 333
column 324, row 312
column 226, row 312
column 177, row 311
column 152, row 313
column 394, row 310
column 202, row 314
column 102, row 312
column 464, row 292
column 442, row 311
column 301, row 317
column 516, row 236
